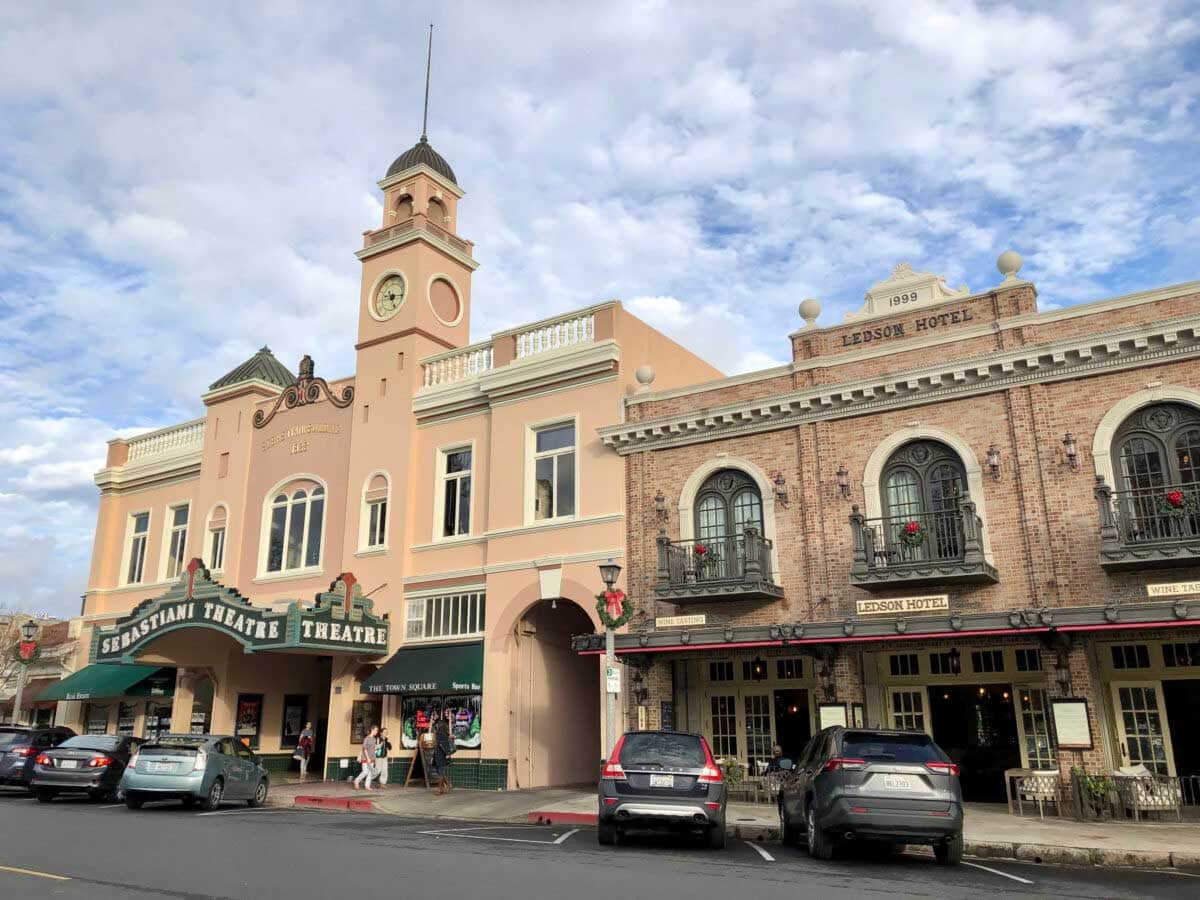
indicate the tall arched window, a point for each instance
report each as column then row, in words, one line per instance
column 296, row 519
column 1156, row 453
column 923, row 483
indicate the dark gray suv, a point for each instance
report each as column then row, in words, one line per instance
column 663, row 780
column 895, row 787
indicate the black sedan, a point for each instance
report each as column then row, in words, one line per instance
column 91, row 764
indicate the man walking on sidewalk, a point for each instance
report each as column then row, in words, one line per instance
column 367, row 757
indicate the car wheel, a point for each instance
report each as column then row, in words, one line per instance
column 43, row 795
column 215, row 793
column 819, row 845
column 260, row 795
column 716, row 837
column 789, row 836
column 606, row 833
column 950, row 852
column 133, row 801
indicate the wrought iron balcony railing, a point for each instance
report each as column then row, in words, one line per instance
column 732, row 567
column 1157, row 526
column 920, row 549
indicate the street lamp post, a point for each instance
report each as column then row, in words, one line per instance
column 28, row 633
column 608, row 574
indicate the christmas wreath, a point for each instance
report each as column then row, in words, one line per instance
column 614, row 608
column 1177, row 504
column 912, row 534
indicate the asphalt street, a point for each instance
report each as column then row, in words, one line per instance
column 76, row 849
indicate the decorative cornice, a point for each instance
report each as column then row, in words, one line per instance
column 1156, row 343
column 306, row 389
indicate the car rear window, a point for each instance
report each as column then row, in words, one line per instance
column 906, row 748
column 92, row 742
column 14, row 737
column 682, row 751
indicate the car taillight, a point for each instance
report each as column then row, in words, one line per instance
column 201, row 761
column 942, row 768
column 711, row 773
column 99, row 762
column 44, row 760
column 843, row 762
column 613, row 768
column 25, row 752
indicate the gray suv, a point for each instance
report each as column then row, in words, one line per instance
column 872, row 785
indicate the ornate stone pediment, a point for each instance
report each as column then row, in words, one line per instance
column 905, row 290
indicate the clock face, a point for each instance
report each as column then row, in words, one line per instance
column 389, row 296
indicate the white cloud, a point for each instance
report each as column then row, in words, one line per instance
column 186, row 184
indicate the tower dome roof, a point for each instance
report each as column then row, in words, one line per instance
column 422, row 153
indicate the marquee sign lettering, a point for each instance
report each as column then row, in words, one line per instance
column 340, row 620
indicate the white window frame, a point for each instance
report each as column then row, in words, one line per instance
column 285, row 486
column 415, row 609
column 364, row 516
column 129, row 536
column 439, row 491
column 531, row 458
column 206, row 547
column 168, row 535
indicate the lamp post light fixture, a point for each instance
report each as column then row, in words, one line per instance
column 609, row 572
column 1071, row 451
column 843, row 482
column 993, row 461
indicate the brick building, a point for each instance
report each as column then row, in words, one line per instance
column 950, row 512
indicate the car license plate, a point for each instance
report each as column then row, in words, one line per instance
column 69, row 764
column 899, row 783
column 667, row 781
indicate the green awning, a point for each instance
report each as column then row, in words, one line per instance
column 102, row 680
column 438, row 669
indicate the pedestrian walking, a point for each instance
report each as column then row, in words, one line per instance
column 442, row 751
column 366, row 756
column 381, row 756
column 304, row 748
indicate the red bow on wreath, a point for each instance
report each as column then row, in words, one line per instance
column 614, row 603
column 26, row 649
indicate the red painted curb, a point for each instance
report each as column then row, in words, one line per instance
column 549, row 817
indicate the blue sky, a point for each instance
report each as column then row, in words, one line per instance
column 182, row 183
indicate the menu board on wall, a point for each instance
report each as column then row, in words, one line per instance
column 1072, row 728
column 464, row 712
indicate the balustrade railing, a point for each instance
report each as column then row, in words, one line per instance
column 457, row 365
column 564, row 332
column 177, row 439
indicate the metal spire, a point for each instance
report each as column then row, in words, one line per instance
column 428, row 63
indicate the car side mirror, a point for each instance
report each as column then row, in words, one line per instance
column 785, row 764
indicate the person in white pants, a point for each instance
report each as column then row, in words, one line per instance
column 367, row 758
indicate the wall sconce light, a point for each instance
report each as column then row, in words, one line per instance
column 660, row 507
column 993, row 461
column 781, row 493
column 843, row 482
column 1071, row 451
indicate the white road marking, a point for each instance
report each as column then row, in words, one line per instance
column 559, row 840
column 761, row 852
column 997, row 872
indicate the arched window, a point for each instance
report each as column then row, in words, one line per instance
column 296, row 519
column 1156, row 453
column 922, row 485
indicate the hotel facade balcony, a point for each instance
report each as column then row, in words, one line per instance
column 1152, row 527
column 733, row 567
column 922, row 549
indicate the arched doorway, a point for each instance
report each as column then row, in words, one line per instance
column 555, row 699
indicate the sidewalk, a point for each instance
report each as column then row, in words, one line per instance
column 988, row 829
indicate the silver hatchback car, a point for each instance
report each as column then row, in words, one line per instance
column 872, row 785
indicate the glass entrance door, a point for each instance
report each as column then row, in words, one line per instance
column 1142, row 726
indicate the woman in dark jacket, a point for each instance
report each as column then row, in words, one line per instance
column 442, row 752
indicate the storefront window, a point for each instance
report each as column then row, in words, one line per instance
column 249, row 718
column 364, row 714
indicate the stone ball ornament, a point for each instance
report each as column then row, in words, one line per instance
column 809, row 310
column 1009, row 263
